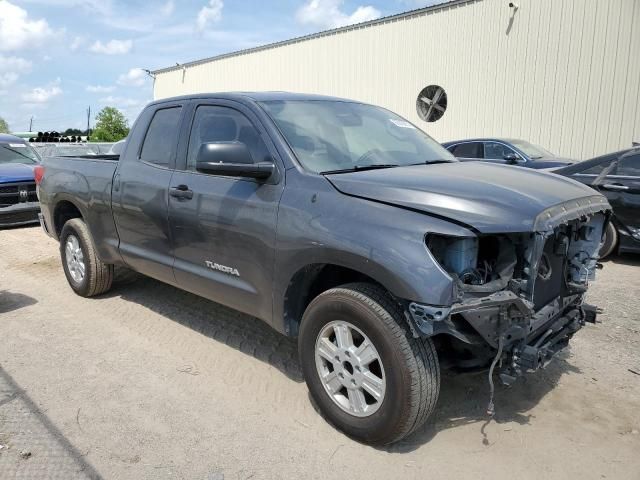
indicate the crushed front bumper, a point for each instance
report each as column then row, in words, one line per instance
column 525, row 339
column 19, row 214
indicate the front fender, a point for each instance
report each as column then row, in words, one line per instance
column 383, row 242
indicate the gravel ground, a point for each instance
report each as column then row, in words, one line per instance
column 151, row 382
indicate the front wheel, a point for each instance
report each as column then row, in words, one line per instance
column 366, row 372
column 86, row 273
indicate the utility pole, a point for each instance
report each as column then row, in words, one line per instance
column 31, row 124
column 88, row 118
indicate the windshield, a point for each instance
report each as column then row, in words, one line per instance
column 329, row 135
column 530, row 150
column 17, row 153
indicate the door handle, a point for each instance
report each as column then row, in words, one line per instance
column 181, row 191
column 615, row 187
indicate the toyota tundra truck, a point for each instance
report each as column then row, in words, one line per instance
column 345, row 226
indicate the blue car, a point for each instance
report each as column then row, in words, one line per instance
column 507, row 151
column 18, row 199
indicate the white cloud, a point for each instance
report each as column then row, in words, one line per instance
column 167, row 9
column 14, row 64
column 11, row 68
column 43, row 94
column 8, row 78
column 76, row 43
column 136, row 77
column 112, row 47
column 122, row 102
column 328, row 14
column 99, row 89
column 17, row 31
column 210, row 13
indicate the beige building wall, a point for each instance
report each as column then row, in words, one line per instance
column 561, row 73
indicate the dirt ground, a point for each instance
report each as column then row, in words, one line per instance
column 150, row 382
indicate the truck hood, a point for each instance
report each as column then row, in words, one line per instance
column 488, row 198
column 16, row 172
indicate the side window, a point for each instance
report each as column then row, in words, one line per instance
column 496, row 151
column 223, row 124
column 629, row 166
column 596, row 165
column 596, row 169
column 468, row 150
column 159, row 144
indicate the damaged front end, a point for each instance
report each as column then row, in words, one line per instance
column 518, row 296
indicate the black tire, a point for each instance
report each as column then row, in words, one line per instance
column 610, row 241
column 98, row 275
column 410, row 364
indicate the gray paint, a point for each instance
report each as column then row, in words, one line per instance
column 372, row 222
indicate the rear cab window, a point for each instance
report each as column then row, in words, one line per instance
column 160, row 142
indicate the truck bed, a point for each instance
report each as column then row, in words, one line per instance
column 87, row 180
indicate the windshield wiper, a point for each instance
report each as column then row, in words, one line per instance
column 429, row 162
column 360, row 168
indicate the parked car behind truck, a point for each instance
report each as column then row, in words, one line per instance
column 617, row 176
column 343, row 225
column 18, row 201
column 506, row 151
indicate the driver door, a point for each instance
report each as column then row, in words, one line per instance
column 223, row 228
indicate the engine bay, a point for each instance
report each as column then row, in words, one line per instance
column 536, row 266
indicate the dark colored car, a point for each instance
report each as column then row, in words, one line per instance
column 345, row 226
column 506, row 151
column 18, row 201
column 617, row 177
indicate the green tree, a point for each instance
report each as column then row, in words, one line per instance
column 111, row 126
column 73, row 131
column 4, row 126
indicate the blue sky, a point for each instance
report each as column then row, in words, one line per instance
column 58, row 57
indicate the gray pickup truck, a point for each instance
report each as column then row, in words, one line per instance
column 343, row 225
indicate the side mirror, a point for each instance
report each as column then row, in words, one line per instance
column 511, row 158
column 232, row 159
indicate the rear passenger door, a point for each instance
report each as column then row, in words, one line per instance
column 224, row 228
column 468, row 151
column 139, row 199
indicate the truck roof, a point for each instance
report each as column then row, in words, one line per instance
column 256, row 96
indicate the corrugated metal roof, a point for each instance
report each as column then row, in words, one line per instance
column 371, row 23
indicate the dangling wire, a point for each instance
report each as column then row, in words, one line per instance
column 491, row 409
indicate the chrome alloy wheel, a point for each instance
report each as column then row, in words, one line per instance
column 75, row 259
column 350, row 368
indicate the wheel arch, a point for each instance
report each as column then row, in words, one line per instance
column 310, row 281
column 64, row 210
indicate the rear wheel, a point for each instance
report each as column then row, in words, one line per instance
column 86, row 273
column 610, row 240
column 366, row 372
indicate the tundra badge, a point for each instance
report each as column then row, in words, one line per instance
column 222, row 268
